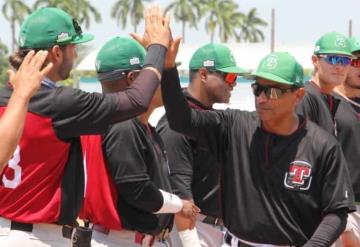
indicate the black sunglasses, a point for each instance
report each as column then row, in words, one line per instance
column 270, row 92
column 77, row 27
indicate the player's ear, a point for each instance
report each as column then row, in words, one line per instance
column 202, row 74
column 299, row 93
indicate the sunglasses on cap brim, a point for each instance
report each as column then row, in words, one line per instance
column 270, row 92
column 336, row 59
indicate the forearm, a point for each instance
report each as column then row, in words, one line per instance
column 146, row 196
column 11, row 126
column 136, row 98
column 177, row 110
column 329, row 230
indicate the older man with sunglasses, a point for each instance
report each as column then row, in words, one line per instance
column 348, row 122
column 283, row 179
column 331, row 60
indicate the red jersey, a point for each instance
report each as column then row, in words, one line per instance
column 100, row 192
column 30, row 186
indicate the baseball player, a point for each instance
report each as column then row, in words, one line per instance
column 348, row 121
column 127, row 196
column 25, row 82
column 284, row 180
column 331, row 60
column 42, row 185
column 194, row 169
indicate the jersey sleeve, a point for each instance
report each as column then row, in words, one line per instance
column 125, row 153
column 179, row 152
column 308, row 108
column 80, row 113
column 336, row 190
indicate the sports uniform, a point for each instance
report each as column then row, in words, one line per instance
column 348, row 121
column 319, row 105
column 42, row 185
column 276, row 189
column 194, row 168
column 127, row 167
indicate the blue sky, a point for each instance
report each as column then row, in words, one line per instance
column 297, row 21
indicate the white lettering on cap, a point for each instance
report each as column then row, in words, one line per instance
column 208, row 63
column 134, row 60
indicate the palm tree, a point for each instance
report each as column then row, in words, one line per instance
column 249, row 31
column 185, row 11
column 221, row 14
column 79, row 9
column 4, row 65
column 122, row 8
column 14, row 11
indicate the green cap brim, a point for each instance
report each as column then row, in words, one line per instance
column 334, row 52
column 82, row 39
column 271, row 77
column 233, row 69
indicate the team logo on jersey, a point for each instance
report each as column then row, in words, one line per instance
column 299, row 176
column 340, row 41
column 271, row 62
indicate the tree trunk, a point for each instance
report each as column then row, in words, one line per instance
column 13, row 35
column 183, row 32
column 135, row 28
column 212, row 36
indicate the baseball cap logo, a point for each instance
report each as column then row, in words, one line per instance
column 271, row 62
column 208, row 63
column 21, row 40
column 134, row 60
column 340, row 41
column 63, row 37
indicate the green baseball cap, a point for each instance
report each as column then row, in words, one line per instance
column 281, row 67
column 120, row 53
column 355, row 44
column 47, row 27
column 215, row 57
column 333, row 43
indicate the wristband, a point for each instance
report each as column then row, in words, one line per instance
column 171, row 203
column 189, row 238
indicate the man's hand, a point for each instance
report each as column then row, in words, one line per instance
column 157, row 30
column 189, row 210
column 172, row 53
column 27, row 79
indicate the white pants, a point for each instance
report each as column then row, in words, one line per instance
column 209, row 235
column 235, row 240
column 42, row 235
column 353, row 224
column 121, row 238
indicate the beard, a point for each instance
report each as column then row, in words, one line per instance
column 65, row 68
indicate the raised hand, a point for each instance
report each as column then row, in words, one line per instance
column 27, row 79
column 157, row 29
column 172, row 53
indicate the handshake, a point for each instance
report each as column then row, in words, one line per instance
column 189, row 210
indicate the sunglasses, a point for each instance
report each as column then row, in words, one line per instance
column 77, row 27
column 270, row 92
column 229, row 78
column 355, row 63
column 335, row 59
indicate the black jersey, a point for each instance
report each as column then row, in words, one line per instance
column 348, row 120
column 275, row 189
column 194, row 169
column 134, row 153
column 319, row 107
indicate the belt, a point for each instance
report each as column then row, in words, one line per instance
column 211, row 220
column 28, row 227
column 164, row 234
